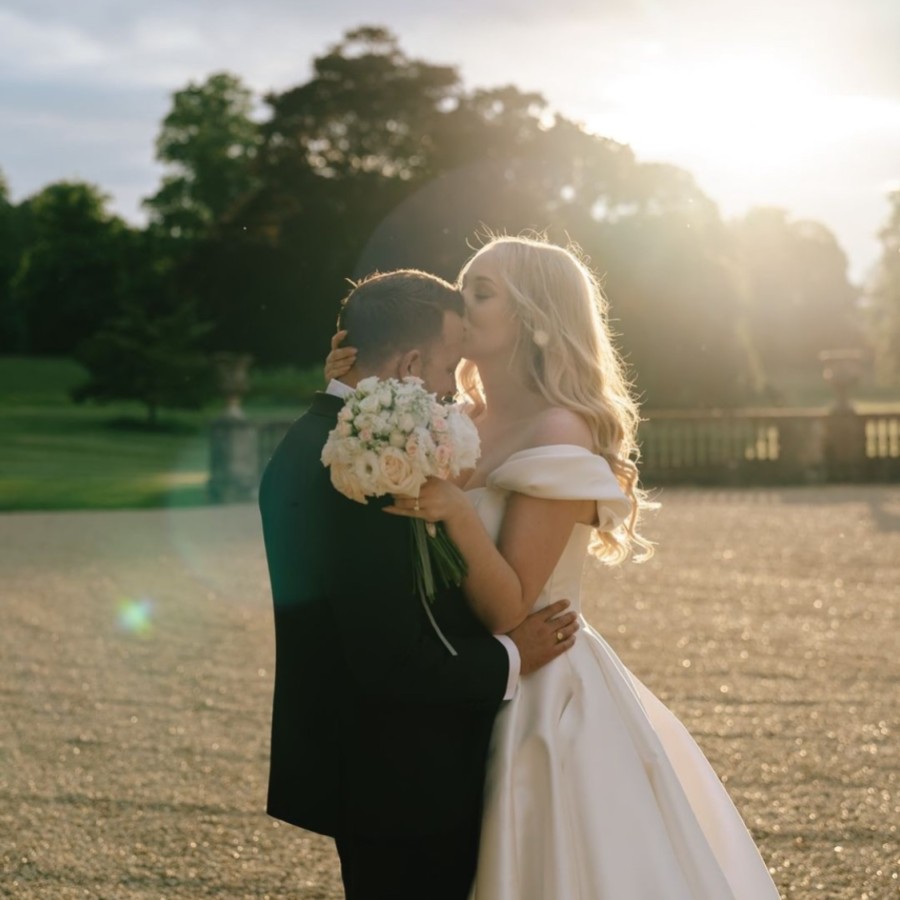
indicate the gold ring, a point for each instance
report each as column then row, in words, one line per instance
column 560, row 637
column 416, row 507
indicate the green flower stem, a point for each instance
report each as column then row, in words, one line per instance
column 436, row 558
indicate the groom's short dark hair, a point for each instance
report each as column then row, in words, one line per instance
column 393, row 312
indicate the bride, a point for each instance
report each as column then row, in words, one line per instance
column 594, row 789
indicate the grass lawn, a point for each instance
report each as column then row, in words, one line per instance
column 55, row 454
column 58, row 455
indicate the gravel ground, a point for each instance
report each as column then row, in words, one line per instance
column 136, row 672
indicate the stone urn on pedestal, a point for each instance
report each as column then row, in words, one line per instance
column 233, row 451
column 845, row 429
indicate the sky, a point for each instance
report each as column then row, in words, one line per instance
column 766, row 103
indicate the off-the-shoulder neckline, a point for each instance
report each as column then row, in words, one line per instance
column 535, row 451
column 573, row 449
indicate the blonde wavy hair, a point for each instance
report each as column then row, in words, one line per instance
column 565, row 348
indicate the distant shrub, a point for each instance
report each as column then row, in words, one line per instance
column 284, row 386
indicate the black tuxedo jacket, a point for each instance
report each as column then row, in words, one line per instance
column 376, row 728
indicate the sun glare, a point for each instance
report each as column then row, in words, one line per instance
column 755, row 111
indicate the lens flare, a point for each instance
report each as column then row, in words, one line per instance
column 134, row 616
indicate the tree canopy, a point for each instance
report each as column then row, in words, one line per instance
column 73, row 271
column 207, row 142
column 884, row 296
column 380, row 160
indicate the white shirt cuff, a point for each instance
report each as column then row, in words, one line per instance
column 515, row 665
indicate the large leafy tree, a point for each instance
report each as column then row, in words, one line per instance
column 12, row 325
column 381, row 160
column 884, row 296
column 673, row 289
column 339, row 152
column 799, row 299
column 152, row 357
column 207, row 143
column 75, row 268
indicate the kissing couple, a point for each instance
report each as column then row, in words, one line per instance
column 532, row 764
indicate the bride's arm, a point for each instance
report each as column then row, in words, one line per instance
column 504, row 581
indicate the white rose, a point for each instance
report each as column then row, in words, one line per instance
column 329, row 451
column 367, row 385
column 365, row 471
column 464, row 437
column 397, row 439
column 380, row 425
column 426, row 440
column 398, row 474
column 385, row 395
column 343, row 481
column 370, row 404
column 406, row 422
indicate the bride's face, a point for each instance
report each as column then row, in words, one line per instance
column 491, row 327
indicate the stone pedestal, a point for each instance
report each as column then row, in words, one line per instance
column 801, row 449
column 845, row 429
column 234, row 446
column 233, row 460
column 845, row 445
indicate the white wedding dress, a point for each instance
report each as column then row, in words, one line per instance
column 595, row 790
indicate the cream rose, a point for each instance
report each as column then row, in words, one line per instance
column 443, row 459
column 343, row 481
column 365, row 471
column 398, row 474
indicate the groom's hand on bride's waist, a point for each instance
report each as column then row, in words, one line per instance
column 544, row 635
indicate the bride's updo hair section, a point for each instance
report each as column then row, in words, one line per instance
column 566, row 351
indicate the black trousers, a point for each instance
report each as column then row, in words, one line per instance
column 432, row 867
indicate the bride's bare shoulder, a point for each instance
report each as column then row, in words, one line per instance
column 558, row 425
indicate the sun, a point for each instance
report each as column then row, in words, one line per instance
column 753, row 110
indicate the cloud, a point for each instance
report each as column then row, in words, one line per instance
column 32, row 47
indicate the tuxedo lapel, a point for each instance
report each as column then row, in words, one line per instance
column 326, row 405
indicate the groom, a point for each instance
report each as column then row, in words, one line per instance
column 379, row 734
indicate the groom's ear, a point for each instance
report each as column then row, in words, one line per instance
column 410, row 364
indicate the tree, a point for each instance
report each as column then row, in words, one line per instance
column 884, row 296
column 73, row 272
column 674, row 296
column 339, row 153
column 209, row 141
column 381, row 160
column 154, row 359
column 799, row 300
column 12, row 324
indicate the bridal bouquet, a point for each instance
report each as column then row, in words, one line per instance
column 390, row 437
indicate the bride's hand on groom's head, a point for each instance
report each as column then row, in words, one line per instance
column 341, row 359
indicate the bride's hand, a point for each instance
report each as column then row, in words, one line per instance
column 438, row 501
column 341, row 359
